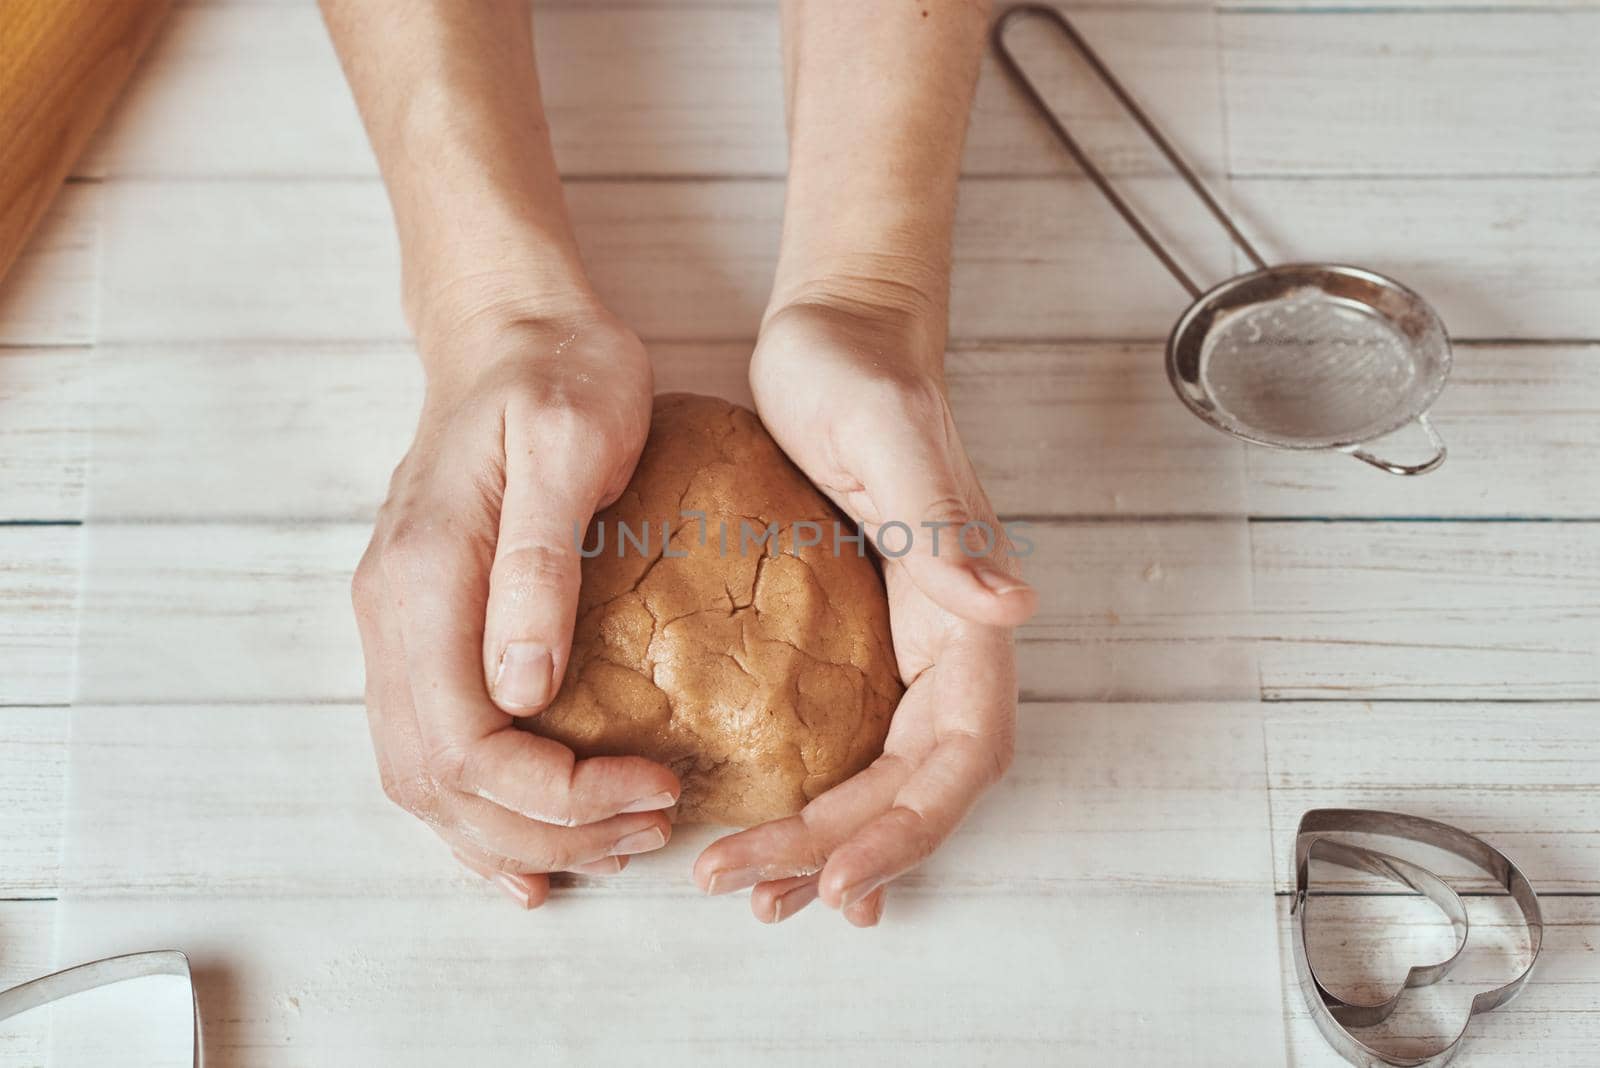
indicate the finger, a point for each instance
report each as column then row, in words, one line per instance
column 553, row 485
column 391, row 716
column 542, row 780
column 776, row 901
column 927, row 809
column 436, row 581
column 528, row 891
column 916, row 474
column 511, row 843
column 869, row 910
column 800, row 845
column 607, row 866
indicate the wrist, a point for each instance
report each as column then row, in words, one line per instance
column 495, row 328
column 444, row 307
column 901, row 298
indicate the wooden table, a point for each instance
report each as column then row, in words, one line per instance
column 204, row 380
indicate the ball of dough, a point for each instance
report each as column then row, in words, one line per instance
column 762, row 677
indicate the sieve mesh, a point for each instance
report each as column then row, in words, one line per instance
column 1306, row 367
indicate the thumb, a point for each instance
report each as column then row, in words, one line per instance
column 932, row 516
column 533, row 587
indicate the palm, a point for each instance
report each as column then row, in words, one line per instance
column 871, row 427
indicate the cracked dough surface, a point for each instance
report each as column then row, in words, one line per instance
column 761, row 680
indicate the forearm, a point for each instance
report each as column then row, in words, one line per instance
column 450, row 98
column 878, row 100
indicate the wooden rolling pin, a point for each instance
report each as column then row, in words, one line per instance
column 62, row 63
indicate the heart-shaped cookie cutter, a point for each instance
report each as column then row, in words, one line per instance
column 1334, row 1016
column 98, row 973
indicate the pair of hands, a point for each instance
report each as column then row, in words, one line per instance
column 466, row 599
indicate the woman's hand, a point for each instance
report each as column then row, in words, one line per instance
column 466, row 595
column 851, row 389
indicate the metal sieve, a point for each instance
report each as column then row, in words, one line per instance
column 1295, row 356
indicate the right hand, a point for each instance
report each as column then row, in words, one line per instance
column 466, row 597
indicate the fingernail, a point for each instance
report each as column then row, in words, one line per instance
column 997, row 581
column 653, row 803
column 639, row 841
column 855, row 893
column 514, row 888
column 794, row 901
column 731, row 879
column 523, row 678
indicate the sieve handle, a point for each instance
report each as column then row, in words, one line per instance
column 1018, row 75
column 1439, row 452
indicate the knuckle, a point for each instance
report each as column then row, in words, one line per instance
column 507, row 865
column 403, row 546
column 365, row 584
column 918, row 833
column 1001, row 757
column 414, row 793
column 948, row 510
column 535, row 567
column 444, row 766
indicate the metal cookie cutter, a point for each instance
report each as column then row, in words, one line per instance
column 1334, row 1015
column 1295, row 356
column 99, row 973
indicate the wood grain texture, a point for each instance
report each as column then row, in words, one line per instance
column 39, row 571
column 1427, row 610
column 185, row 827
column 1523, row 426
column 312, row 432
column 49, row 297
column 33, row 765
column 317, row 261
column 1498, row 258
column 687, row 90
column 1520, row 775
column 65, row 62
column 1497, row 93
column 1035, row 258
column 44, row 433
column 948, row 979
column 243, row 612
column 26, row 929
column 1553, row 1014
column 215, row 801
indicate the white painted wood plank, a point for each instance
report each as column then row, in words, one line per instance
column 1413, row 93
column 245, row 260
column 33, row 765
column 397, row 980
column 312, row 431
column 321, row 946
column 1522, row 424
column 44, row 433
column 1520, row 775
column 256, row 90
column 1035, row 258
column 1139, row 611
column 190, row 800
column 39, row 573
column 1499, row 258
column 1551, row 1022
column 48, row 296
column 26, row 930
column 219, row 612
column 1427, row 610
column 237, row 612
column 254, row 260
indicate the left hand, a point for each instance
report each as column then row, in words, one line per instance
column 853, row 392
